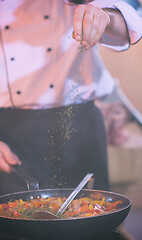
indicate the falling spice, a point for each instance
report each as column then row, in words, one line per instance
column 63, row 130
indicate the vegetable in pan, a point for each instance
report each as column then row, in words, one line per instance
column 82, row 207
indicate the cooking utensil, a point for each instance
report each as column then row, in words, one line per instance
column 49, row 215
column 31, row 182
column 63, row 228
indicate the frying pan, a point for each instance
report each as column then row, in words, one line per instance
column 64, row 228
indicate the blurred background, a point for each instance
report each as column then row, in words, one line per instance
column 125, row 159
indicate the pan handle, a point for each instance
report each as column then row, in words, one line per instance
column 32, row 183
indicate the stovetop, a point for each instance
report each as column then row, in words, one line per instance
column 115, row 235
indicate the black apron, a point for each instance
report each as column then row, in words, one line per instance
column 58, row 146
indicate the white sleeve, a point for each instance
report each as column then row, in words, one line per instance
column 133, row 21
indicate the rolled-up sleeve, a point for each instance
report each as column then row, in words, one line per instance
column 132, row 19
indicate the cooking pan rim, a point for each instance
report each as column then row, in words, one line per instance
column 66, row 189
column 70, row 219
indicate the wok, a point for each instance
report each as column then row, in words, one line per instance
column 64, row 228
column 61, row 228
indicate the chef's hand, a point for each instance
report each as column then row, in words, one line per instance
column 90, row 23
column 7, row 157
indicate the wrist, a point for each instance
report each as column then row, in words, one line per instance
column 111, row 15
column 117, row 26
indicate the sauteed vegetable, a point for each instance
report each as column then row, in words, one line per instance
column 82, row 207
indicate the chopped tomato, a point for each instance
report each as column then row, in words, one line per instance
column 37, row 204
column 4, row 206
column 83, row 207
column 27, row 205
column 16, row 214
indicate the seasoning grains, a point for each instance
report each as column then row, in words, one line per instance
column 60, row 136
column 62, row 130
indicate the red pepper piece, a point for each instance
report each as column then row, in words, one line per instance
column 16, row 214
column 4, row 206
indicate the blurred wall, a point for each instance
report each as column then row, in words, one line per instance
column 126, row 66
column 125, row 164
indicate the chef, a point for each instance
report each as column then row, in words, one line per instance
column 50, row 75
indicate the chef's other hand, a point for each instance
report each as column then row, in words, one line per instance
column 7, row 157
column 90, row 23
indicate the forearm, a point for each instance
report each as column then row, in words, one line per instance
column 117, row 28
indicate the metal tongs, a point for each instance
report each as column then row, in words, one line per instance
column 32, row 184
column 49, row 215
